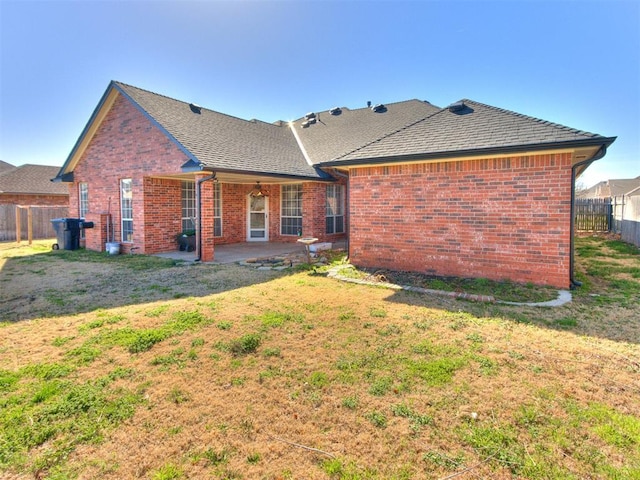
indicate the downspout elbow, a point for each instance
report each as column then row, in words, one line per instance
column 599, row 154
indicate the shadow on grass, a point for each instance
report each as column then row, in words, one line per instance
column 607, row 305
column 37, row 282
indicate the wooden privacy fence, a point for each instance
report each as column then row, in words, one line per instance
column 593, row 214
column 40, row 221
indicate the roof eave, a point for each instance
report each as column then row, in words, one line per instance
column 322, row 176
column 477, row 152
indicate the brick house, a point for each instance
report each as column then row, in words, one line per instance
column 30, row 185
column 467, row 190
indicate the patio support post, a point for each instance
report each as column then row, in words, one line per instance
column 205, row 228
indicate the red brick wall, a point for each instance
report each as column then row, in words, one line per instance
column 22, row 199
column 128, row 145
column 493, row 218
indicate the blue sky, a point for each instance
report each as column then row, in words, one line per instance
column 572, row 62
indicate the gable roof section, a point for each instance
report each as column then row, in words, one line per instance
column 4, row 166
column 221, row 142
column 332, row 136
column 31, row 180
column 473, row 129
column 213, row 141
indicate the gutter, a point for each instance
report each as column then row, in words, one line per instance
column 199, row 182
column 599, row 154
column 473, row 152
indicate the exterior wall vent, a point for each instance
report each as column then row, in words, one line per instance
column 379, row 108
column 335, row 111
column 195, row 108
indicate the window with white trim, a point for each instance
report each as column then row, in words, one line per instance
column 126, row 209
column 291, row 209
column 83, row 202
column 217, row 210
column 335, row 209
column 188, row 206
column 83, row 199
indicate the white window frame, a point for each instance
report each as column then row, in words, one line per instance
column 335, row 207
column 217, row 210
column 83, row 199
column 188, row 205
column 291, row 209
column 126, row 210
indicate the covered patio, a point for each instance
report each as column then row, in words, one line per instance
column 238, row 252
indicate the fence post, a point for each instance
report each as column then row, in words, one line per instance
column 30, row 225
column 18, row 229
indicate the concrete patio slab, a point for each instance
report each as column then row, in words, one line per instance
column 238, row 252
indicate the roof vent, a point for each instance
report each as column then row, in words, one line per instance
column 312, row 120
column 310, row 115
column 305, row 124
column 335, row 111
column 195, row 108
column 457, row 107
column 369, row 104
column 379, row 108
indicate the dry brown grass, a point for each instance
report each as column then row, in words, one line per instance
column 330, row 357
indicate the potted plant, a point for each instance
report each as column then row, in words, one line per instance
column 186, row 240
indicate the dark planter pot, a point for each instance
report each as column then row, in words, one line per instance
column 187, row 243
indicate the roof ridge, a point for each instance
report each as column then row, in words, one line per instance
column 529, row 117
column 387, row 135
column 253, row 120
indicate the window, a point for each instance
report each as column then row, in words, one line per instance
column 83, row 199
column 335, row 209
column 291, row 210
column 217, row 210
column 188, row 206
column 83, row 202
column 126, row 209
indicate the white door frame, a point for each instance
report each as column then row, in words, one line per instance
column 265, row 231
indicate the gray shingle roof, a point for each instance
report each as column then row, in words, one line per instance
column 477, row 127
column 32, row 179
column 333, row 136
column 4, row 166
column 223, row 142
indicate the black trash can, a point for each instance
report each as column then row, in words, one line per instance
column 67, row 233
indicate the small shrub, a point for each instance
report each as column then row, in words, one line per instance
column 246, row 344
column 377, row 418
column 350, row 402
column 168, row 472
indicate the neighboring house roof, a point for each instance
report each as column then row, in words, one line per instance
column 31, row 180
column 612, row 188
column 332, row 136
column 4, row 166
column 222, row 142
column 470, row 128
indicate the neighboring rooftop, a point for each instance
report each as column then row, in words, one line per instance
column 31, row 179
column 611, row 188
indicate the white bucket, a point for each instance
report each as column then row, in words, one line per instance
column 112, row 248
